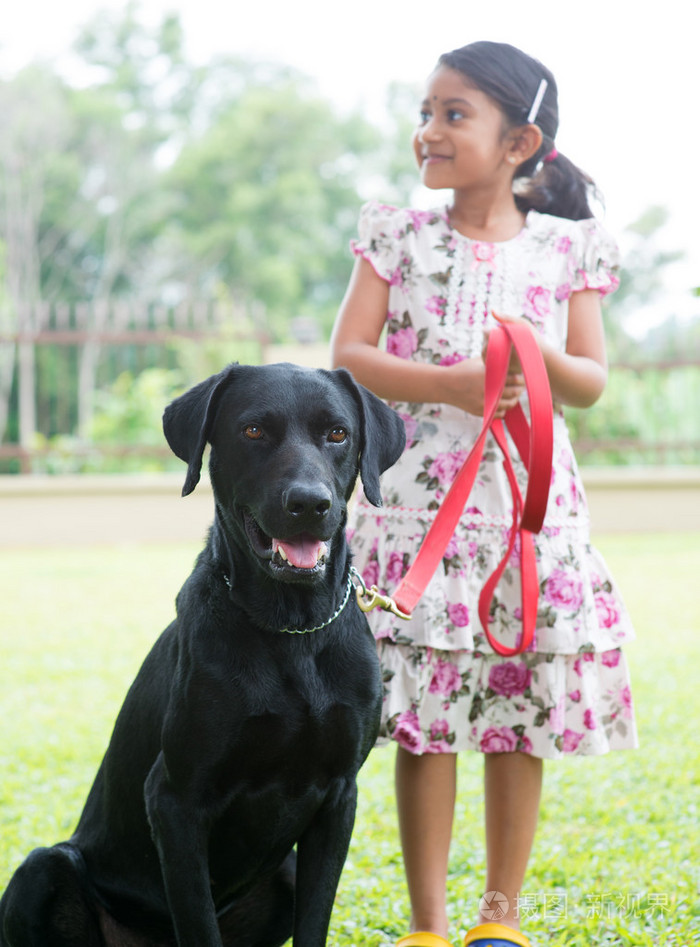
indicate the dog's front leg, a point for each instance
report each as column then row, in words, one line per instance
column 321, row 854
column 180, row 836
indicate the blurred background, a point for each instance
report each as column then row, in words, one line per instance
column 179, row 183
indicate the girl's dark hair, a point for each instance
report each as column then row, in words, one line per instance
column 512, row 78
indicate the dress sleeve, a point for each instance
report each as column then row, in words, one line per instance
column 380, row 230
column 597, row 259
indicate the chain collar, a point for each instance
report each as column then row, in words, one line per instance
column 307, row 631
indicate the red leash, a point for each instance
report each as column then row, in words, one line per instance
column 534, row 444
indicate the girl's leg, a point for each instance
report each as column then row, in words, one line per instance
column 425, row 796
column 513, row 784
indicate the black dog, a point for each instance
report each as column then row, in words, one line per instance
column 242, row 735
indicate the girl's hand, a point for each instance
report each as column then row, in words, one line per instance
column 512, row 392
column 515, row 380
column 467, row 381
column 578, row 374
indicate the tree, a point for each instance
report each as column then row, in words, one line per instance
column 36, row 133
column 268, row 200
column 80, row 192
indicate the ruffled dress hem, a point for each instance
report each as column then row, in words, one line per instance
column 549, row 706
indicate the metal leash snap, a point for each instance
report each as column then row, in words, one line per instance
column 369, row 599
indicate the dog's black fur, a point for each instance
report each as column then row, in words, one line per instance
column 223, row 808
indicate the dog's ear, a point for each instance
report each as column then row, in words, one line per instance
column 383, row 435
column 187, row 423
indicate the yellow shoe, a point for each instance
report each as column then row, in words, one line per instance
column 423, row 939
column 495, row 935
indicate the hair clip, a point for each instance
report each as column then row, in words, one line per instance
column 537, row 101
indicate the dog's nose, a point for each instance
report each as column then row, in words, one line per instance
column 305, row 501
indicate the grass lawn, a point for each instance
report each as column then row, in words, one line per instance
column 616, row 857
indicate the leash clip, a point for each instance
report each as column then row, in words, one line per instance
column 369, row 599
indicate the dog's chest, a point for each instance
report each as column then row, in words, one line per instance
column 306, row 719
column 298, row 752
column 262, row 823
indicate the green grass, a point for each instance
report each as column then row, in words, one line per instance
column 615, row 861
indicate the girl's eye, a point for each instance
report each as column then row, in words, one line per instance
column 454, row 115
column 253, row 432
column 423, row 117
column 337, row 435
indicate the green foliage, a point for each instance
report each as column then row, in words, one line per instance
column 128, row 416
column 126, row 434
column 650, row 407
column 161, row 178
column 643, row 417
column 267, row 201
column 198, row 360
column 614, row 861
column 673, row 340
column 130, row 411
column 145, row 68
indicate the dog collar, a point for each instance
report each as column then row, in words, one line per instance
column 307, row 631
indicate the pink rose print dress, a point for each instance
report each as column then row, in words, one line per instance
column 445, row 688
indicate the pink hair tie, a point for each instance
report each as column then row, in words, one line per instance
column 551, row 156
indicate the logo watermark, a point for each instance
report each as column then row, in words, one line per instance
column 493, row 906
column 605, row 905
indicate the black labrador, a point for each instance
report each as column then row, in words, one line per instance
column 224, row 806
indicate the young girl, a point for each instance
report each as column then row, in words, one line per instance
column 517, row 239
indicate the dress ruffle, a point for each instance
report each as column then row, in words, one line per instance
column 580, row 608
column 547, row 706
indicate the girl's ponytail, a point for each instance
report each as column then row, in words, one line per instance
column 526, row 92
column 554, row 186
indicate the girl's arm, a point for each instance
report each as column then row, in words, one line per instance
column 354, row 346
column 578, row 375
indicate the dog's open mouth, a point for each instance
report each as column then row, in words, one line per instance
column 303, row 553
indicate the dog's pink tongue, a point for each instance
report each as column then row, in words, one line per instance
column 302, row 552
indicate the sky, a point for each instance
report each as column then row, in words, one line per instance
column 626, row 71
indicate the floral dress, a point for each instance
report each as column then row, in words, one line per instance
column 445, row 688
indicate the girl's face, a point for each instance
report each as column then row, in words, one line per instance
column 462, row 141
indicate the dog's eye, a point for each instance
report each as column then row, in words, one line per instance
column 253, row 432
column 337, row 435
